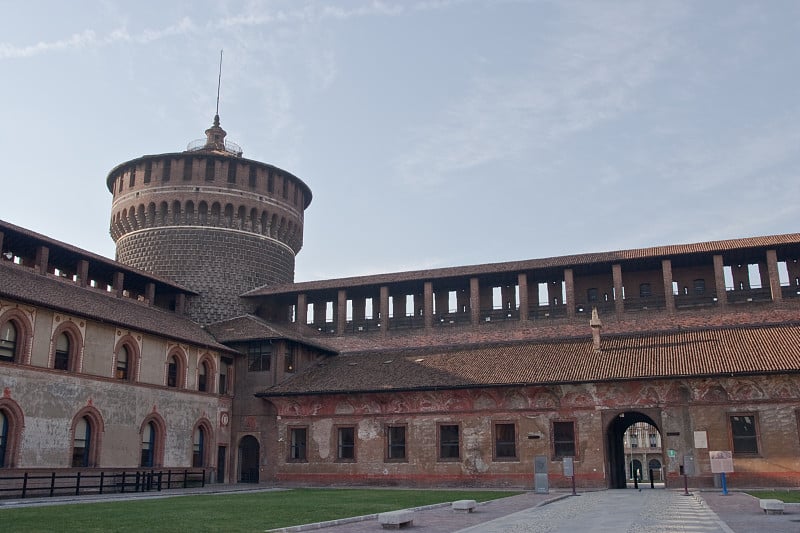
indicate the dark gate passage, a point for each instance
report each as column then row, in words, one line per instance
column 249, row 451
column 615, row 445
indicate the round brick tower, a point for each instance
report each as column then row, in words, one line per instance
column 209, row 220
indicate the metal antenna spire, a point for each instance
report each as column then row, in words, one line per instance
column 219, row 82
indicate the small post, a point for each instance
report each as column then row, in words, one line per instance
column 685, row 485
column 652, row 483
column 724, row 484
column 635, row 480
column 573, row 486
column 78, row 484
column 123, row 481
column 101, row 481
column 160, row 473
column 52, row 484
column 24, row 484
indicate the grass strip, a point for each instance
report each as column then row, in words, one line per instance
column 247, row 512
column 786, row 496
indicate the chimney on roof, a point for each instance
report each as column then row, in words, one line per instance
column 597, row 325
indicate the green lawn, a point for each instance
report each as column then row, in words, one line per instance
column 786, row 496
column 227, row 512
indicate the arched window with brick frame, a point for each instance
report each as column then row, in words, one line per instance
column 176, row 369
column 66, row 347
column 126, row 359
column 12, row 423
column 15, row 334
column 86, row 437
column 153, row 434
column 202, row 444
column 205, row 374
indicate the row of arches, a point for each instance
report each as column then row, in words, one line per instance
column 66, row 353
column 86, row 438
column 187, row 213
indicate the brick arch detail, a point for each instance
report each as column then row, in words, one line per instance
column 16, row 426
column 209, row 445
column 76, row 345
column 24, row 334
column 134, row 357
column 160, row 427
column 97, row 429
column 180, row 356
column 211, row 371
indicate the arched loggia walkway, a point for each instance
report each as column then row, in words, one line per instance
column 615, row 449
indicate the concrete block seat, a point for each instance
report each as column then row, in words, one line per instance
column 396, row 519
column 771, row 506
column 464, row 506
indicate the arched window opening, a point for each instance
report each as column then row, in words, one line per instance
column 8, row 341
column 122, row 363
column 63, row 346
column 202, row 377
column 198, row 448
column 3, row 438
column 224, row 376
column 82, row 443
column 172, row 371
column 148, row 445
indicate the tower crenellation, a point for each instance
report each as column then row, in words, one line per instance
column 209, row 219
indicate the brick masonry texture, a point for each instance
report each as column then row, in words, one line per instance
column 219, row 265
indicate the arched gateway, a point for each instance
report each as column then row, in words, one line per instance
column 616, row 425
column 249, row 453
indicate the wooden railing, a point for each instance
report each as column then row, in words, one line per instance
column 39, row 483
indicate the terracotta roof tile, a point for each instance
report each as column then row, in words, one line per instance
column 22, row 284
column 249, row 327
column 754, row 350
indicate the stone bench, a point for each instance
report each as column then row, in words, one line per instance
column 464, row 506
column 771, row 506
column 396, row 519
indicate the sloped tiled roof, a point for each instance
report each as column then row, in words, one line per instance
column 250, row 327
column 22, row 284
column 533, row 264
column 765, row 349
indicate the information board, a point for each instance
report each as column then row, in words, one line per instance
column 721, row 461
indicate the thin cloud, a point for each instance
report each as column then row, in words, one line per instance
column 590, row 73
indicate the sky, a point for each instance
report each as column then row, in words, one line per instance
column 431, row 133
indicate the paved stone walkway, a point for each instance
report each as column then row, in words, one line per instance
column 617, row 511
column 630, row 511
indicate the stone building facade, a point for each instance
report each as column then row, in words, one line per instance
column 195, row 348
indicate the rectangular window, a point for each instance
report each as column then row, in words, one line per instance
column 187, row 169
column 297, row 444
column 231, row 172
column 121, row 182
column 252, row 177
column 285, row 188
column 699, row 287
column 132, row 181
column 259, row 356
column 289, row 359
column 563, row 439
column 645, row 291
column 449, row 448
column 148, row 170
column 166, row 171
column 744, row 433
column 209, row 170
column 346, row 443
column 505, row 441
column 270, row 182
column 396, row 443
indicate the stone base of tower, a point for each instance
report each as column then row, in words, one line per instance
column 218, row 263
